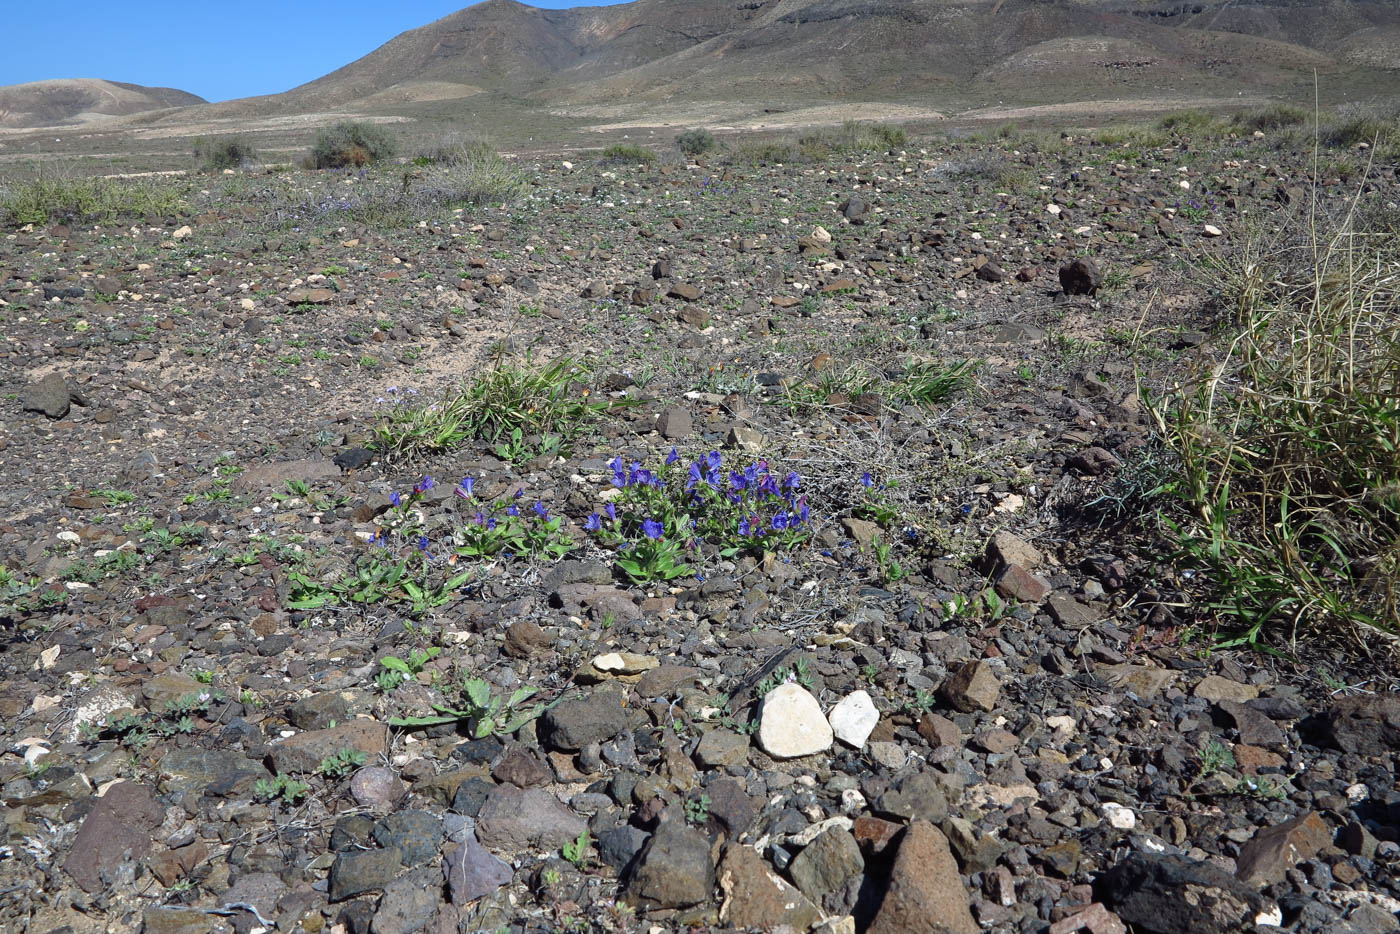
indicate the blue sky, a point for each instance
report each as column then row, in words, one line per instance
column 215, row 50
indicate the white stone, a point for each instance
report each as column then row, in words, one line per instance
column 1210, row 230
column 182, row 233
column 854, row 718
column 1184, row 185
column 791, row 724
column 247, row 304
column 1119, row 816
column 1052, row 209
column 821, row 235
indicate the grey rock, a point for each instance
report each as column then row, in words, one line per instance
column 49, row 395
column 222, row 771
column 823, row 867
column 719, row 748
column 574, row 724
column 415, row 834
column 674, row 423
column 1081, row 277
column 355, row 872
column 513, row 819
column 1364, row 726
column 620, row 845
column 918, row 796
column 409, row 903
column 472, row 872
column 177, row 921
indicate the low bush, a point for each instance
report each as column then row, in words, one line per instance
column 696, row 142
column 1272, row 117
column 764, row 152
column 620, row 153
column 230, row 152
column 350, row 144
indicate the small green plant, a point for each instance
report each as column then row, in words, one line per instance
column 697, row 809
column 342, row 763
column 351, row 144
column 282, row 786
column 889, row 569
column 398, row 670
column 576, row 850
column 1214, row 757
column 50, row 199
column 114, row 498
column 485, row 713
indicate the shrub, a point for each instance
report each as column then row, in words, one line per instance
column 470, row 174
column 696, row 142
column 231, row 152
column 1289, row 446
column 628, row 153
column 351, row 144
column 1273, row 117
column 761, row 152
column 454, row 149
column 87, row 200
column 1188, row 121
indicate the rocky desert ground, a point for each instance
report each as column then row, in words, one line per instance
column 756, row 543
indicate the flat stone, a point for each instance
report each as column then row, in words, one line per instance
column 718, row 748
column 264, row 476
column 925, row 893
column 177, row 921
column 513, row 819
column 409, row 903
column 791, row 723
column 937, row 730
column 376, row 787
column 1274, row 850
column 118, row 827
column 853, row 718
column 303, row 752
column 1016, row 583
column 472, row 872
column 973, row 686
column 1004, row 548
column 222, row 771
column 620, row 845
column 1255, row 728
column 976, row 851
column 755, row 897
column 355, row 872
column 310, row 296
column 522, row 768
column 674, row 424
column 1215, row 689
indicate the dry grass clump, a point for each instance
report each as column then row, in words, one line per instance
column 1289, row 444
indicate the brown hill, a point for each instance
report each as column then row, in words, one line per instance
column 77, row 101
column 662, row 53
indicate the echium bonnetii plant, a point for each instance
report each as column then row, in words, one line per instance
column 407, row 562
column 662, row 522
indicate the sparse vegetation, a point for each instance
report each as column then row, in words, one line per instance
column 48, row 200
column 628, row 153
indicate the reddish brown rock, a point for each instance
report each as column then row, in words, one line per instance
column 1275, row 850
column 925, row 894
column 118, row 827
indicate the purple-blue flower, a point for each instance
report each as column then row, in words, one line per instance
column 424, row 485
column 792, row 481
column 512, row 510
column 652, row 529
column 744, row 526
column 422, row 543
column 395, row 499
column 780, row 521
column 594, row 523
column 611, row 510
column 866, row 480
column 465, row 488
column 541, row 510
column 619, row 480
column 672, row 457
